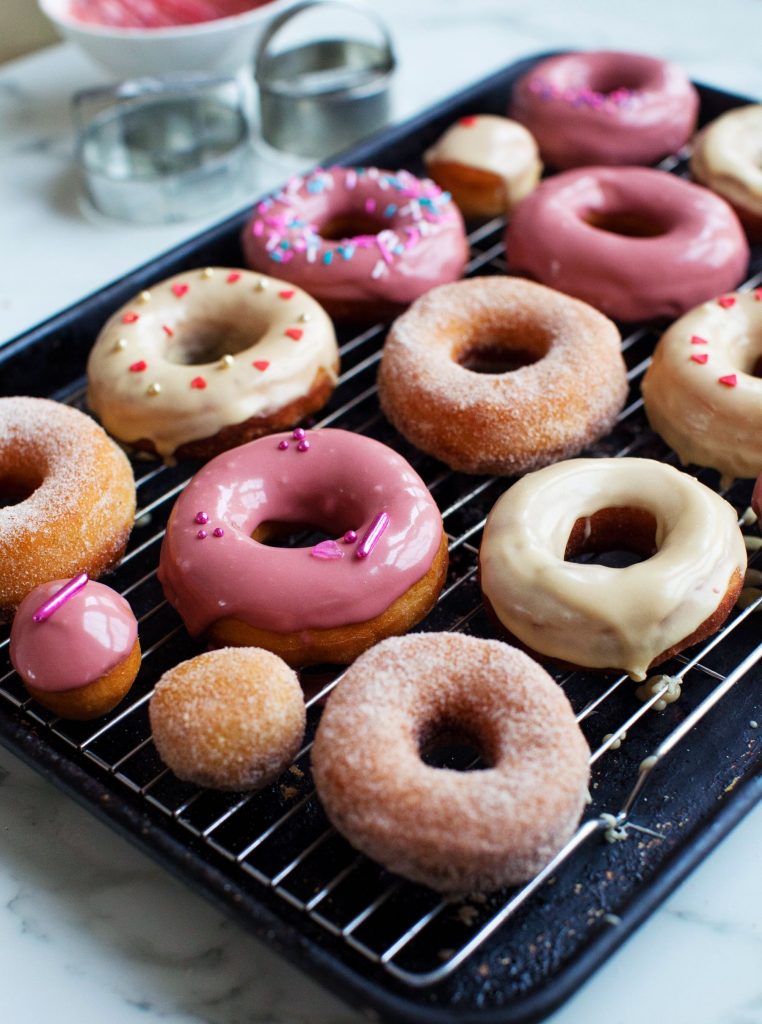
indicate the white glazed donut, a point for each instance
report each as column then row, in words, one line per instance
column 209, row 359
column 595, row 615
column 726, row 159
column 701, row 393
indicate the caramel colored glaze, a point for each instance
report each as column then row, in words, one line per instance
column 505, row 423
column 708, row 422
column 689, row 247
column 453, row 831
column 95, row 699
column 342, row 644
column 593, row 615
column 78, row 491
column 606, row 107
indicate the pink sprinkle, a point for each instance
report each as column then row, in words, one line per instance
column 262, row 208
column 258, row 229
column 327, row 549
column 288, row 293
column 202, row 518
column 232, row 277
column 373, row 535
column 726, row 301
column 282, row 445
column 351, row 179
column 696, row 340
column 261, row 364
column 370, row 205
column 729, row 380
column 303, row 445
column 299, row 433
column 468, row 121
column 201, row 534
column 130, row 318
column 178, row 290
column 67, row 591
column 168, row 331
column 139, row 366
column 296, row 333
column 758, row 294
column 218, row 532
column 350, row 537
column 198, row 383
column 700, row 357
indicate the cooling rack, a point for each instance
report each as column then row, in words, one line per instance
column 669, row 777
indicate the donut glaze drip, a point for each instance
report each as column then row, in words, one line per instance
column 340, row 483
column 84, row 638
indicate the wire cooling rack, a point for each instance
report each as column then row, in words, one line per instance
column 664, row 771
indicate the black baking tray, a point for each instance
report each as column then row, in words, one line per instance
column 594, row 900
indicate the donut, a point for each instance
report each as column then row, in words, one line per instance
column 454, row 831
column 726, row 159
column 634, row 242
column 231, row 719
column 75, row 645
column 701, row 391
column 594, row 615
column 487, row 163
column 605, row 107
column 364, row 242
column 325, row 603
column 67, row 497
column 555, row 379
column 756, row 498
column 209, row 359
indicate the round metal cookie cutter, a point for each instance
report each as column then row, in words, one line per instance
column 321, row 95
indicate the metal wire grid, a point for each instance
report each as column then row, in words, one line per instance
column 279, row 837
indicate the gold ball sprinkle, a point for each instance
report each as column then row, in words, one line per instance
column 304, row 318
column 226, row 362
column 260, row 285
column 153, row 389
column 120, row 344
column 207, row 272
column 144, row 297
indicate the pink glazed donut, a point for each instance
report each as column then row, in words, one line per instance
column 379, row 576
column 364, row 242
column 636, row 243
column 606, row 108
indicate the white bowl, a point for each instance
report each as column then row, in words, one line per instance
column 226, row 44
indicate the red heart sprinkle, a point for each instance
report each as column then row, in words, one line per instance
column 139, row 366
column 180, row 289
column 758, row 294
column 130, row 318
column 730, row 380
column 198, row 382
column 726, row 301
column 233, row 277
column 261, row 364
column 295, row 333
column 696, row 340
column 468, row 120
column 286, row 295
column 700, row 357
column 168, row 331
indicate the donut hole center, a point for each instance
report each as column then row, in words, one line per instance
column 17, row 486
column 614, row 537
column 606, row 81
column 350, row 225
column 755, row 370
column 207, row 340
column 303, row 534
column 502, row 350
column 625, row 222
column 453, row 745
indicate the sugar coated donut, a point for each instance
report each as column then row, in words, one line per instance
column 635, row 242
column 702, row 393
column 326, row 603
column 566, row 392
column 594, row 615
column 726, row 159
column 606, row 107
column 228, row 719
column 75, row 645
column 453, row 831
column 487, row 163
column 209, row 359
column 364, row 242
column 67, row 497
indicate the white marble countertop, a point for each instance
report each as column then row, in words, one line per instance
column 90, row 929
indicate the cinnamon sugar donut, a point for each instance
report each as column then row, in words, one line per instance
column 70, row 494
column 228, row 719
column 453, row 831
column 594, row 615
column 569, row 386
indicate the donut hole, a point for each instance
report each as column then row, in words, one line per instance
column 350, row 225
column 615, row 537
column 625, row 222
column 451, row 744
column 755, row 370
column 205, row 341
column 606, row 81
column 279, row 534
column 17, row 486
column 504, row 350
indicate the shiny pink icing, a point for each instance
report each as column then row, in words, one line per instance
column 700, row 252
column 420, row 241
column 85, row 637
column 606, row 108
column 340, row 483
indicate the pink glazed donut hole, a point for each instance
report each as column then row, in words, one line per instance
column 606, row 107
column 634, row 242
